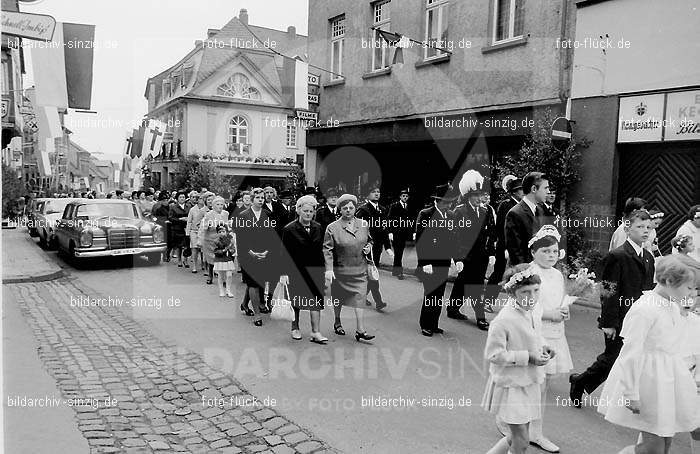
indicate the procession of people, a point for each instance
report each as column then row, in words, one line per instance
column 320, row 249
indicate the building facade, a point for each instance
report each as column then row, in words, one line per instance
column 12, row 96
column 227, row 100
column 467, row 89
column 638, row 97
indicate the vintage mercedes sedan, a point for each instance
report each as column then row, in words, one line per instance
column 46, row 216
column 108, row 228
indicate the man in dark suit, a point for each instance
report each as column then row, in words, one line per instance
column 376, row 215
column 514, row 189
column 401, row 230
column 525, row 218
column 328, row 212
column 435, row 250
column 474, row 237
column 548, row 207
column 628, row 271
column 285, row 200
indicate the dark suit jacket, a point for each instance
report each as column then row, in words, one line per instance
column 625, row 276
column 501, row 212
column 475, row 235
column 376, row 218
column 401, row 220
column 256, row 236
column 174, row 214
column 520, row 226
column 279, row 214
column 435, row 238
column 301, row 258
column 325, row 216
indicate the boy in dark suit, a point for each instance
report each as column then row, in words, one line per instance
column 628, row 271
column 435, row 250
column 328, row 212
column 524, row 219
column 401, row 230
column 376, row 215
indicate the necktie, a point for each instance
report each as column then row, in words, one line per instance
column 403, row 205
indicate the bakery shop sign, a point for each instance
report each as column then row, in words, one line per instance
column 682, row 120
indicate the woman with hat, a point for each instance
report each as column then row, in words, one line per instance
column 346, row 247
column 302, row 262
column 160, row 212
column 213, row 218
column 194, row 220
column 177, row 215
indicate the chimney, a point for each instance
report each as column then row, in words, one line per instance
column 292, row 31
column 211, row 32
column 243, row 16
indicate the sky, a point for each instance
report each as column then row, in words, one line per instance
column 137, row 39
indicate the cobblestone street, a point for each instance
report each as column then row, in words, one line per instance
column 132, row 393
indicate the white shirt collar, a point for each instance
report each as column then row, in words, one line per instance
column 637, row 249
column 443, row 215
column 374, row 204
column 532, row 206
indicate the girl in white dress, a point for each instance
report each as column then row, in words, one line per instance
column 516, row 352
column 650, row 388
column 552, row 309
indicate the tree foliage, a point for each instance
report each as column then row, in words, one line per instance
column 195, row 174
column 12, row 190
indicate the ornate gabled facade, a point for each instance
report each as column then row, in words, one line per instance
column 227, row 100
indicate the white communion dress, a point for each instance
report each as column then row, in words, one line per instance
column 552, row 298
column 652, row 370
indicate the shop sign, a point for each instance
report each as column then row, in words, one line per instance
column 28, row 25
column 640, row 118
column 306, row 115
column 682, row 116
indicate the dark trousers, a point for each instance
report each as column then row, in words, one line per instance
column 399, row 244
column 470, row 284
column 598, row 372
column 493, row 287
column 433, row 291
column 373, row 286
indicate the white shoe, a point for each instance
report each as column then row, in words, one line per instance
column 229, row 294
column 318, row 338
column 222, row 293
column 545, row 444
column 296, row 335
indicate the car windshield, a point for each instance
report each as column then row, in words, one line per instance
column 117, row 210
column 55, row 206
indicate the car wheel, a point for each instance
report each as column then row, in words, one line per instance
column 53, row 243
column 71, row 254
column 33, row 233
column 154, row 258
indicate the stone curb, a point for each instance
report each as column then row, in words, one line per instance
column 37, row 278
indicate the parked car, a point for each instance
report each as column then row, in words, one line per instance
column 31, row 210
column 108, row 228
column 46, row 216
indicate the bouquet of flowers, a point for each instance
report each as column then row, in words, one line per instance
column 581, row 283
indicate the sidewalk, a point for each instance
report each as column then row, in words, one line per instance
column 23, row 260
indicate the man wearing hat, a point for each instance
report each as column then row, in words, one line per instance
column 435, row 250
column 475, row 235
column 514, row 189
column 328, row 212
column 400, row 230
column 286, row 203
column 376, row 215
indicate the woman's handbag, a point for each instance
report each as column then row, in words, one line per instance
column 282, row 305
column 372, row 271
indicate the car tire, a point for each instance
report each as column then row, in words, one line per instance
column 71, row 255
column 33, row 233
column 154, row 258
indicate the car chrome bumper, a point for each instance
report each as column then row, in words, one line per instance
column 88, row 252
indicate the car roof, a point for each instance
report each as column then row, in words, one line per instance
column 102, row 201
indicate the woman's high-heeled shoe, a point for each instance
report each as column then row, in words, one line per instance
column 258, row 322
column 209, row 280
column 363, row 336
column 339, row 330
column 247, row 311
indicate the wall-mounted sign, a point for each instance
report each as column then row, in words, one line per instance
column 306, row 115
column 5, row 107
column 313, row 99
column 314, row 79
column 640, row 118
column 682, row 116
column 27, row 25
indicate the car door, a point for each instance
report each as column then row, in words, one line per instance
column 62, row 227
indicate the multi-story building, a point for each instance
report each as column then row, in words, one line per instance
column 227, row 100
column 468, row 88
column 12, row 97
column 637, row 94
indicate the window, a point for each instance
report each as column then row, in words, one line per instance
column 237, row 134
column 337, row 39
column 166, row 89
column 382, row 21
column 291, row 133
column 508, row 20
column 436, row 20
column 238, row 86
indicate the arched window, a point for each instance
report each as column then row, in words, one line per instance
column 238, row 86
column 238, row 134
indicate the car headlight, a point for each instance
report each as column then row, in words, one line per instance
column 86, row 238
column 146, row 229
column 158, row 235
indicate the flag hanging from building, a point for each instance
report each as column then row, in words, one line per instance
column 63, row 67
column 42, row 157
column 153, row 138
column 296, row 83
